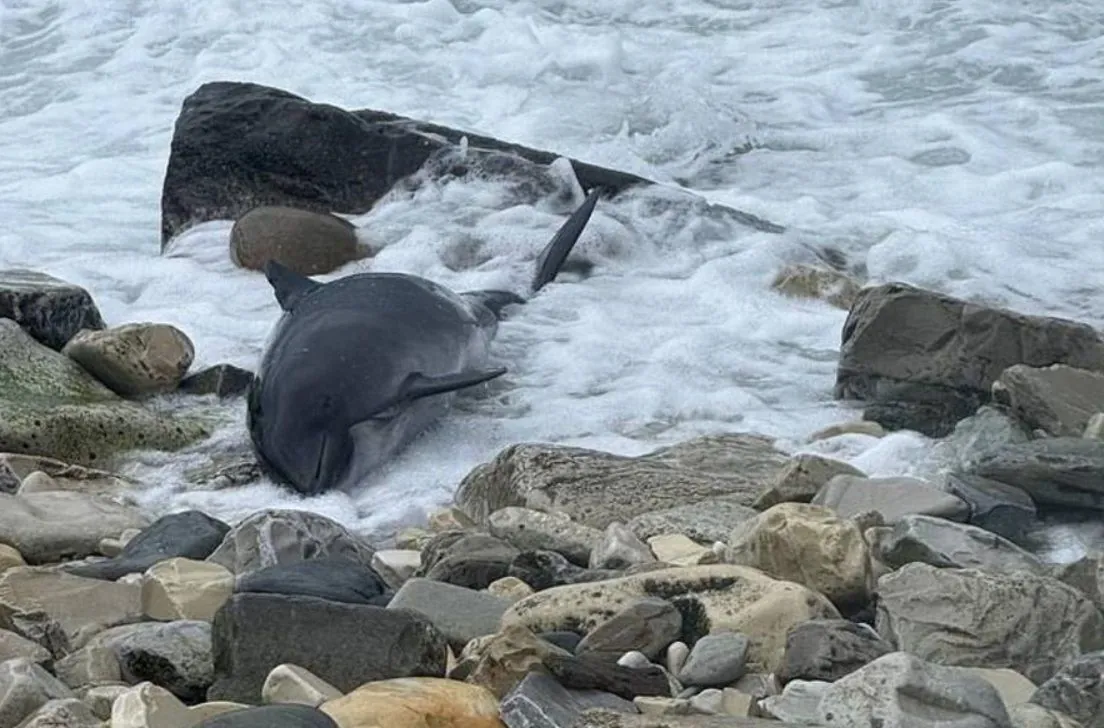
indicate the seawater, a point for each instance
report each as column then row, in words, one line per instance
column 952, row 145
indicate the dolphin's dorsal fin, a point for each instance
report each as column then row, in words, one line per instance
column 555, row 253
column 290, row 287
column 420, row 385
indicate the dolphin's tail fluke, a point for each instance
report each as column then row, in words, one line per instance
column 555, row 253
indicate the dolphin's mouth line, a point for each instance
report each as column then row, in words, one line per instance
column 321, row 460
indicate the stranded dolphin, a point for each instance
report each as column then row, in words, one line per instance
column 357, row 368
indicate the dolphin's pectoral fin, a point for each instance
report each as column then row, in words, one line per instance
column 290, row 287
column 555, row 253
column 420, row 385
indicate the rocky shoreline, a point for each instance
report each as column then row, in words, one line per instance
column 716, row 582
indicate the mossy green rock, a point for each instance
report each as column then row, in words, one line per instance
column 50, row 406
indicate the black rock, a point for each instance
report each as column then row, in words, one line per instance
column 995, row 506
column 345, row 644
column 188, row 534
column 591, row 672
column 932, row 412
column 539, row 701
column 49, row 309
column 1077, row 690
column 224, row 380
column 237, row 146
column 173, row 655
column 471, row 560
column 828, row 649
column 271, row 716
column 336, row 579
column 563, row 639
column 546, row 569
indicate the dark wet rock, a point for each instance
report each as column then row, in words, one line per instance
column 646, row 625
column 565, row 640
column 541, row 702
column 596, row 488
column 1057, row 399
column 1030, row 623
column 828, row 649
column 546, row 569
column 1004, row 509
column 271, row 716
column 188, row 534
column 1059, row 471
column 591, row 672
column 237, row 146
column 346, row 645
column 905, row 346
column 460, row 614
column 278, row 536
column 223, row 380
column 336, row 579
column 51, row 310
column 471, row 560
column 1077, row 690
column 173, row 655
column 943, row 543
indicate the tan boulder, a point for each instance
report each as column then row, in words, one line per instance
column 712, row 598
column 826, row 284
column 415, row 702
column 309, row 243
column 500, row 661
column 134, row 359
column 185, row 589
column 809, row 545
column 674, row 548
column 10, row 558
column 80, row 606
column 509, row 587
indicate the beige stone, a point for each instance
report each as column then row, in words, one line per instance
column 395, row 566
column 185, row 589
column 1013, row 687
column 56, row 525
column 510, row 587
column 81, row 606
column 412, row 539
column 9, row 558
column 100, row 698
column 826, row 284
column 674, row 548
column 415, row 702
column 801, row 478
column 134, row 359
column 293, row 684
column 309, row 243
column 893, row 497
column 449, row 519
column 63, row 475
column 809, row 545
column 855, row 427
column 500, row 661
column 736, row 703
column 111, row 547
column 146, row 705
column 1029, row 715
column 1060, row 400
column 718, row 597
column 89, row 666
column 663, row 705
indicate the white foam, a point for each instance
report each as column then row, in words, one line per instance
column 956, row 147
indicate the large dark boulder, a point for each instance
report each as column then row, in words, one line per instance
column 237, row 146
column 346, row 645
column 271, row 716
column 51, row 310
column 336, row 579
column 924, row 360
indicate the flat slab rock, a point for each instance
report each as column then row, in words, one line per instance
column 52, row 526
column 897, row 333
column 596, row 488
column 51, row 310
column 1057, row 399
column 1061, row 471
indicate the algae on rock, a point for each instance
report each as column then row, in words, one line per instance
column 50, row 406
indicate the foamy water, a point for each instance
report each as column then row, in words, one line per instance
column 956, row 146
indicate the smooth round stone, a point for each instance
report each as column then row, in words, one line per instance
column 715, row 660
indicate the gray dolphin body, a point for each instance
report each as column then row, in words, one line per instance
column 357, row 368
